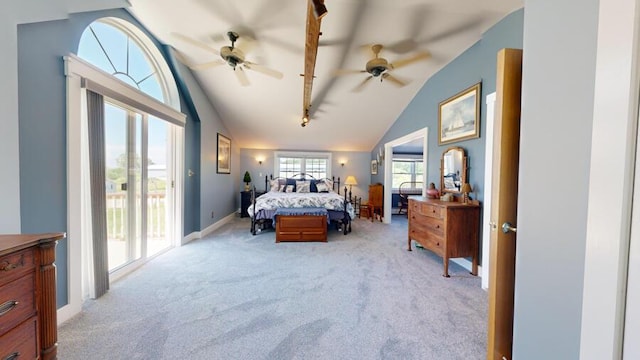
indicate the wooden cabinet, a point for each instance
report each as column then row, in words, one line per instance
column 449, row 229
column 374, row 205
column 28, row 324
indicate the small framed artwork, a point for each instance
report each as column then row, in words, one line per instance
column 224, row 155
column 374, row 167
column 459, row 116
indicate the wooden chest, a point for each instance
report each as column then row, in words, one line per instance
column 449, row 229
column 301, row 228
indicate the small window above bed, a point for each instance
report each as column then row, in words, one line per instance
column 316, row 164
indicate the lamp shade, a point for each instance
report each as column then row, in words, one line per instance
column 351, row 180
column 466, row 188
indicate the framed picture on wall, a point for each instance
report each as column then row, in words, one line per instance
column 224, row 155
column 459, row 116
column 374, row 167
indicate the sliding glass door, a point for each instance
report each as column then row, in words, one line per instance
column 137, row 186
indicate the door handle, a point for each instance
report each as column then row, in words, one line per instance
column 506, row 227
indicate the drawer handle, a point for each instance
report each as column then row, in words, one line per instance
column 8, row 306
column 7, row 266
column 13, row 356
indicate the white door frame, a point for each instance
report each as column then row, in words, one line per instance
column 488, row 178
column 388, row 162
column 613, row 151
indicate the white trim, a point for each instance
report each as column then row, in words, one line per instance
column 101, row 82
column 388, row 159
column 488, row 178
column 615, row 109
column 465, row 263
column 209, row 229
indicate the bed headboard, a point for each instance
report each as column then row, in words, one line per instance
column 301, row 176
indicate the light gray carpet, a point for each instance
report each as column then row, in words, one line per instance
column 232, row 295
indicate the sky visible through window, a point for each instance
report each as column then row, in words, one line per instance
column 116, row 53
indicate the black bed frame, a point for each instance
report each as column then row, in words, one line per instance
column 261, row 224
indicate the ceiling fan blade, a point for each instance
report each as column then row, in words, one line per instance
column 242, row 76
column 340, row 72
column 195, row 42
column 423, row 55
column 261, row 69
column 206, row 65
column 362, row 84
column 393, row 79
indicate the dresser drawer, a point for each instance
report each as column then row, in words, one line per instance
column 13, row 266
column 21, row 342
column 431, row 211
column 17, row 302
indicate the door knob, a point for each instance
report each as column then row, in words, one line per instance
column 506, row 227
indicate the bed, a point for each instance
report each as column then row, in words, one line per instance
column 300, row 191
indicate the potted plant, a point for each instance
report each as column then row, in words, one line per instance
column 247, row 180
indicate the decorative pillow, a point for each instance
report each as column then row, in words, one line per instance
column 329, row 184
column 282, row 188
column 290, row 188
column 292, row 182
column 313, row 187
column 303, row 186
column 275, row 185
column 322, row 187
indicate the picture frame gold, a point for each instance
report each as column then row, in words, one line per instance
column 459, row 116
column 223, row 164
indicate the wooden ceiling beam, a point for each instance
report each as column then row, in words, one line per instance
column 310, row 53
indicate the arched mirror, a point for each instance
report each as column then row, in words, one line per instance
column 453, row 169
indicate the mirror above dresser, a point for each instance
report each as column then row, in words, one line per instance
column 453, row 170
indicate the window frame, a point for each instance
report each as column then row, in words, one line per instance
column 303, row 156
column 413, row 160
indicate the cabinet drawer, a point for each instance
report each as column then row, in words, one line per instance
column 429, row 224
column 428, row 240
column 17, row 302
column 20, row 343
column 431, row 210
column 13, row 266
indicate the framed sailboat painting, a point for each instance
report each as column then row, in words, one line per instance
column 459, row 116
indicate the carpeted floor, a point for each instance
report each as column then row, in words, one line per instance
column 232, row 295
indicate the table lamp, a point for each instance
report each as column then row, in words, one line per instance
column 351, row 180
column 465, row 190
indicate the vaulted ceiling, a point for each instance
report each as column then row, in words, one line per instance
column 348, row 112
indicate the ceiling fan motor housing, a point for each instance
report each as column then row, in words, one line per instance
column 233, row 56
column 377, row 66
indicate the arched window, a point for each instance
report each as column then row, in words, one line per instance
column 122, row 50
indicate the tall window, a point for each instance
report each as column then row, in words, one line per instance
column 408, row 171
column 317, row 165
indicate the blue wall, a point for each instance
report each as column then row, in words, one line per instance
column 42, row 125
column 476, row 64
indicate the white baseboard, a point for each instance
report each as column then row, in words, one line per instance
column 67, row 312
column 208, row 230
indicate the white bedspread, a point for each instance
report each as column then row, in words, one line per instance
column 274, row 200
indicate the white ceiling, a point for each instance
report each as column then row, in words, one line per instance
column 267, row 113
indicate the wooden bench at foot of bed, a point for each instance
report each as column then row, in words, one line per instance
column 301, row 224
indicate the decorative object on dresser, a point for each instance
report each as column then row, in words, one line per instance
column 432, row 192
column 466, row 189
column 28, row 321
column 449, row 229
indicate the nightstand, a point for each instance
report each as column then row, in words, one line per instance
column 245, row 201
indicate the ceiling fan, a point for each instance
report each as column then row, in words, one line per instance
column 379, row 67
column 231, row 55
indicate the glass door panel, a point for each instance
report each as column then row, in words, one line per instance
column 158, row 187
column 122, row 185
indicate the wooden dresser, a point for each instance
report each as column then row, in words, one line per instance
column 449, row 229
column 28, row 323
